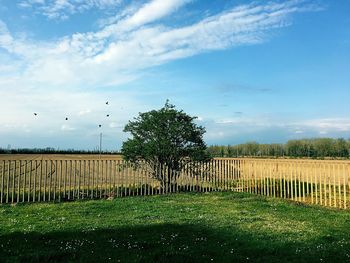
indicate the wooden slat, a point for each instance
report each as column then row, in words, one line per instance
column 302, row 181
column 118, row 178
column 89, row 180
column 19, row 182
column 13, row 182
column 147, row 183
column 30, row 180
column 110, row 185
column 328, row 176
column 265, row 177
column 93, row 181
column 344, row 185
column 324, row 185
column 40, row 179
column 2, row 182
column 79, row 172
column 165, row 173
column 273, row 178
column 338, row 170
column 24, row 181
column 74, row 179
column 34, row 181
column 308, row 167
column 54, row 180
column 223, row 175
column 99, row 177
column 8, row 181
column 316, row 180
column 334, row 185
column 268, row 163
column 311, row 174
column 124, row 179
column 285, row 169
column 104, row 177
column 60, row 182
column 65, row 179
column 49, row 177
column 295, row 182
column 256, row 182
column 69, row 175
column 113, row 177
column 321, row 179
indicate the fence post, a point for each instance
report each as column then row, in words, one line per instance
column 34, row 181
column 8, row 181
column 19, row 182
column 13, row 183
column 2, row 181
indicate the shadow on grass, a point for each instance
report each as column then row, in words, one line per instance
column 161, row 243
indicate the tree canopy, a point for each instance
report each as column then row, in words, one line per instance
column 165, row 137
column 311, row 148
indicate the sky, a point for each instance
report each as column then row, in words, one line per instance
column 265, row 71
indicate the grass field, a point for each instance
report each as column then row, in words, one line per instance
column 207, row 227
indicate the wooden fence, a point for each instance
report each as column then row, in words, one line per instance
column 324, row 183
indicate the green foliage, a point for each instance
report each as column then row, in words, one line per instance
column 312, row 148
column 165, row 138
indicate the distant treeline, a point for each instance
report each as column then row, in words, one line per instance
column 311, row 148
column 52, row 151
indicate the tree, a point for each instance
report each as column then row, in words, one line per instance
column 166, row 141
column 341, row 147
column 252, row 148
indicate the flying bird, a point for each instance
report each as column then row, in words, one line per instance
column 100, row 125
column 107, row 115
column 35, row 114
column 106, row 102
column 66, row 119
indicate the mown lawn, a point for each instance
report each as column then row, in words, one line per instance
column 211, row 227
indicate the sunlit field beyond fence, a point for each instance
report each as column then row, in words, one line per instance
column 36, row 178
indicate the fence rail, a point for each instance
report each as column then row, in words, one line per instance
column 324, row 183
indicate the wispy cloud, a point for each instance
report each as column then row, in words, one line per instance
column 231, row 127
column 327, row 124
column 37, row 75
column 118, row 52
column 231, row 88
column 151, row 12
column 66, row 127
column 62, row 9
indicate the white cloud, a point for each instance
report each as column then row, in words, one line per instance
column 150, row 12
column 257, row 121
column 328, row 125
column 317, row 125
column 84, row 112
column 116, row 125
column 228, row 128
column 117, row 53
column 62, row 76
column 62, row 9
column 66, row 127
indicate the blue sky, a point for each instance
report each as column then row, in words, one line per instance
column 265, row 71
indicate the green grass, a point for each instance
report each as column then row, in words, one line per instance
column 212, row 227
